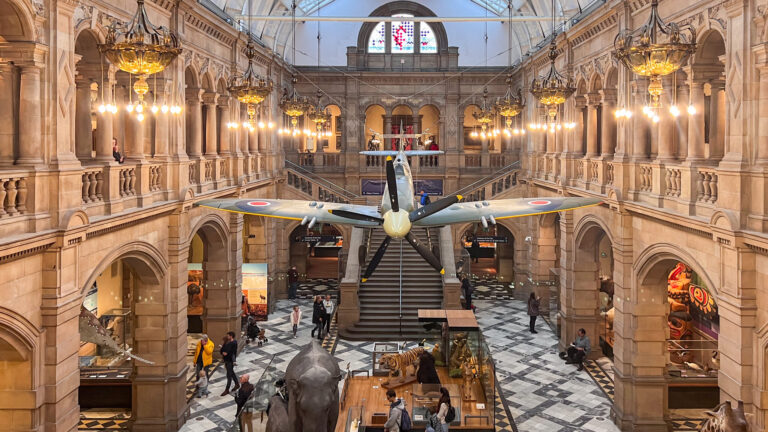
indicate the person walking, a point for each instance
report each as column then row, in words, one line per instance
column 318, row 312
column 293, row 282
column 396, row 412
column 328, row 306
column 444, row 405
column 533, row 310
column 245, row 310
column 244, row 412
column 578, row 351
column 202, row 385
column 203, row 355
column 229, row 355
column 425, row 200
column 295, row 319
column 475, row 249
column 467, row 289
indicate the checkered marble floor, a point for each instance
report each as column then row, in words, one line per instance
column 313, row 287
column 488, row 288
column 542, row 393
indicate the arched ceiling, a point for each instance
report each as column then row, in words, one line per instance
column 526, row 35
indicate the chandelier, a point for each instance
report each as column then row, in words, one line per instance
column 294, row 106
column 510, row 105
column 552, row 89
column 654, row 50
column 319, row 115
column 249, row 88
column 486, row 115
column 141, row 49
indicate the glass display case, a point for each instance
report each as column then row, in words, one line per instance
column 119, row 325
column 463, row 348
column 426, row 396
column 355, row 416
column 693, row 358
column 380, row 349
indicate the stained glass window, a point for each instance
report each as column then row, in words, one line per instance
column 377, row 41
column 427, row 40
column 402, row 35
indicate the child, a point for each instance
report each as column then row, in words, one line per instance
column 202, row 385
column 295, row 318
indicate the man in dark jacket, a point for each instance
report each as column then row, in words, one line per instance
column 293, row 282
column 427, row 374
column 318, row 315
column 229, row 355
column 241, row 397
column 467, row 289
column 424, row 201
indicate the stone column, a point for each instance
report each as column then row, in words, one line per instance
column 594, row 100
column 209, row 100
column 242, row 134
column 696, row 123
column 608, row 135
column 134, row 137
column 577, row 143
column 7, row 128
column 30, row 117
column 640, row 132
column 83, row 128
column 717, row 120
column 162, row 125
column 387, row 130
column 104, row 126
column 682, row 122
column 195, row 123
column 666, row 127
column 224, row 135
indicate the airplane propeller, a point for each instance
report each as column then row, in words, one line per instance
column 398, row 225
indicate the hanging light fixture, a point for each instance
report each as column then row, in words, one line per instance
column 250, row 88
column 553, row 88
column 510, row 105
column 654, row 50
column 140, row 49
column 486, row 115
column 319, row 115
column 294, row 106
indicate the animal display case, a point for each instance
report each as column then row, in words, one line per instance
column 424, row 396
column 119, row 325
column 381, row 349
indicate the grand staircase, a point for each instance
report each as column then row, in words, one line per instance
column 422, row 288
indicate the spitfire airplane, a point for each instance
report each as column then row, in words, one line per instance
column 398, row 213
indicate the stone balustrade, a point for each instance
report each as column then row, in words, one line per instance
column 127, row 179
column 155, row 177
column 93, row 185
column 208, row 171
column 473, row 161
column 13, row 196
column 672, row 178
column 706, row 185
column 193, row 173
column 609, row 173
column 645, row 180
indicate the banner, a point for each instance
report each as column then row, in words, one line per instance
column 433, row 187
column 255, row 284
column 195, row 289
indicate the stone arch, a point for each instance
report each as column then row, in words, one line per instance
column 297, row 252
column 595, row 82
column 17, row 21
column 207, row 81
column 659, row 252
column 611, row 78
column 148, row 257
column 397, row 7
column 708, row 43
column 191, row 76
column 20, row 366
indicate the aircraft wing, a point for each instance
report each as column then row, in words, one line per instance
column 502, row 209
column 294, row 209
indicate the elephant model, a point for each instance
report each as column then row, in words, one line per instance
column 278, row 420
column 725, row 419
column 312, row 378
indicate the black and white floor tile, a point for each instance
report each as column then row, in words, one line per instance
column 314, row 287
column 488, row 288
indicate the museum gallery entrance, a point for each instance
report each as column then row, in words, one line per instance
column 316, row 252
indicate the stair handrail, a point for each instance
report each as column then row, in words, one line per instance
column 487, row 179
column 319, row 179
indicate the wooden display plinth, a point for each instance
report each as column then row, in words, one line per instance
column 395, row 382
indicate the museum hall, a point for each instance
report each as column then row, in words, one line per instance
column 384, row 215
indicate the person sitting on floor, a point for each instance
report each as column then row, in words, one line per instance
column 578, row 351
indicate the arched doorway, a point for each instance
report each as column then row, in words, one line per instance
column 316, row 254
column 120, row 317
column 211, row 291
column 488, row 256
column 18, row 370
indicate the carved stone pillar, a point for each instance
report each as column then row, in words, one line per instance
column 666, row 127
column 577, row 141
column 134, row 137
column 104, row 127
column 224, row 135
column 83, row 128
column 640, row 131
column 211, row 135
column 30, row 117
column 594, row 100
column 696, row 123
column 682, row 121
column 162, row 126
column 608, row 135
column 194, row 123
column 7, row 126
column 387, row 130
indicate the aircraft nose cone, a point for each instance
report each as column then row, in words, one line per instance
column 396, row 224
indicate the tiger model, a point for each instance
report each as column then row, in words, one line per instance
column 401, row 361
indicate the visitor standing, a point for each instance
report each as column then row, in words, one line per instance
column 244, row 413
column 425, row 200
column 317, row 317
column 475, row 249
column 433, row 422
column 397, row 413
column 445, row 413
column 467, row 289
column 578, row 351
column 533, row 310
column 328, row 306
column 202, row 385
column 293, row 282
column 229, row 355
column 295, row 319
column 203, row 355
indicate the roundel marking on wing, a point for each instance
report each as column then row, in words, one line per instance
column 539, row 202
column 258, row 203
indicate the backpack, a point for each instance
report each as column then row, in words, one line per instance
column 450, row 415
column 405, row 421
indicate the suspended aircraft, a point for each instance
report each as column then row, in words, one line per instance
column 398, row 212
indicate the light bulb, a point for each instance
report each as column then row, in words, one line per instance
column 627, row 114
column 164, row 108
column 619, row 113
column 102, row 108
column 655, row 119
column 139, row 108
column 154, row 109
column 691, row 110
column 113, row 109
column 140, row 117
column 261, row 125
column 270, row 125
column 129, row 108
column 674, row 110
